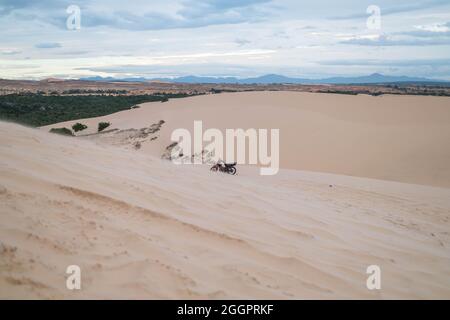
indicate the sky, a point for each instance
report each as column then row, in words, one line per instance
column 240, row 38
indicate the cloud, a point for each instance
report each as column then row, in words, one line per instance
column 389, row 63
column 18, row 66
column 48, row 45
column 9, row 52
column 114, row 14
column 389, row 41
column 395, row 9
column 242, row 42
column 308, row 28
column 193, row 14
column 163, row 71
column 197, row 9
column 75, row 53
column 425, row 34
column 9, row 6
column 435, row 30
column 129, row 21
column 435, row 34
column 435, row 27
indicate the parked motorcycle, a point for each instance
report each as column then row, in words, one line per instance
column 224, row 167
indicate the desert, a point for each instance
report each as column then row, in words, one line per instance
column 141, row 227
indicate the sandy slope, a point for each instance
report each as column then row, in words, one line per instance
column 143, row 228
column 399, row 138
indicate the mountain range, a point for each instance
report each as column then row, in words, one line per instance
column 375, row 78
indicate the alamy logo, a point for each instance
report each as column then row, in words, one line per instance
column 374, row 280
column 73, row 21
column 374, row 20
column 73, row 281
column 235, row 146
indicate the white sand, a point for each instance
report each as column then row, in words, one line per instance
column 398, row 138
column 142, row 228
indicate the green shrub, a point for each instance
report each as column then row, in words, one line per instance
column 79, row 127
column 103, row 125
column 63, row 131
column 41, row 109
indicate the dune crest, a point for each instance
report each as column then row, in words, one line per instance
column 396, row 138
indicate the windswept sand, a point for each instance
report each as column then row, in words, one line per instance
column 140, row 227
column 397, row 138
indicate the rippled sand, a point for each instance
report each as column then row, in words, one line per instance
column 140, row 227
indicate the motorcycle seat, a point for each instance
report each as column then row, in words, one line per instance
column 230, row 164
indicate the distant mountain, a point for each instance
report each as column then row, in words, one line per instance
column 111, row 79
column 195, row 79
column 275, row 78
column 266, row 79
column 375, row 78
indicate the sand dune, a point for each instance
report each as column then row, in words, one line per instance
column 398, row 138
column 141, row 227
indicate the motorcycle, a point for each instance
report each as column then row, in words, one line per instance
column 224, row 167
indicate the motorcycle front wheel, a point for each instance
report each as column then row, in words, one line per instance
column 232, row 171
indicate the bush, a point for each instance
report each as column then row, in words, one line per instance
column 41, row 110
column 164, row 99
column 79, row 127
column 103, row 125
column 63, row 131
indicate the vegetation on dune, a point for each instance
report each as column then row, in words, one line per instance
column 90, row 91
column 217, row 91
column 79, row 127
column 103, row 125
column 349, row 92
column 40, row 110
column 63, row 131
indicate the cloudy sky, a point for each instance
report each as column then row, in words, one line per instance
column 243, row 38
